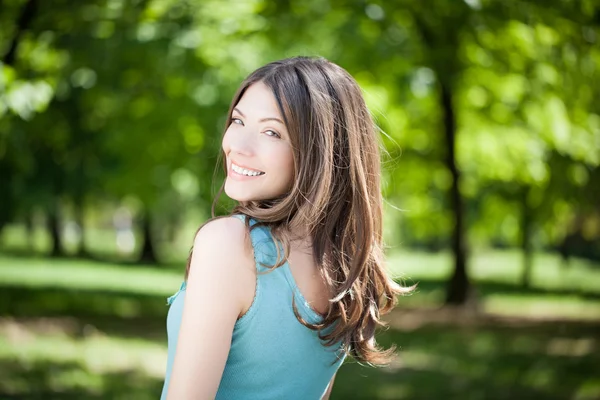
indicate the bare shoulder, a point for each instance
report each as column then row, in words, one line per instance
column 224, row 226
column 228, row 237
column 223, row 257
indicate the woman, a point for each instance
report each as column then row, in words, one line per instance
column 278, row 292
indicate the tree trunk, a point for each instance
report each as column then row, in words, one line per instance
column 526, row 230
column 80, row 220
column 458, row 286
column 148, row 255
column 54, row 230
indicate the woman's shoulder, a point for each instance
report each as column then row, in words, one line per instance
column 222, row 252
column 224, row 224
column 228, row 232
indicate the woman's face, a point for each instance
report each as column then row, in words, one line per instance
column 257, row 148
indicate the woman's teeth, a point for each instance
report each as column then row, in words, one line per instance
column 244, row 171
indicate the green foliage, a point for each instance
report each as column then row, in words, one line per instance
column 114, row 100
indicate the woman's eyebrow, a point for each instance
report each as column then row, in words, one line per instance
column 261, row 120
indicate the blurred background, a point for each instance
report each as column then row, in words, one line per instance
column 111, row 115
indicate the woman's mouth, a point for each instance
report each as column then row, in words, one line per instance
column 245, row 171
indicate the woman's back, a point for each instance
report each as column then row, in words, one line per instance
column 272, row 355
column 307, row 277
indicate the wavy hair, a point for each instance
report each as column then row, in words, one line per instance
column 336, row 198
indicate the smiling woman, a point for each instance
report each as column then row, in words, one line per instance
column 279, row 292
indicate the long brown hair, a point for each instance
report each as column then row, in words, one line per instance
column 335, row 198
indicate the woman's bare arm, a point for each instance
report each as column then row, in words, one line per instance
column 213, row 302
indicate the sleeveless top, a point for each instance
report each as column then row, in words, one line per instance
column 272, row 355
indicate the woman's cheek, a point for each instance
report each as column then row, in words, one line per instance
column 285, row 160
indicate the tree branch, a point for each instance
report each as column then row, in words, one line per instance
column 24, row 21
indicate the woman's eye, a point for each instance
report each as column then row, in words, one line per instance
column 236, row 121
column 272, row 134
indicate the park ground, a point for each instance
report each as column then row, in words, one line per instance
column 79, row 329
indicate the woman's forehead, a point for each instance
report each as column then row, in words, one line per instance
column 258, row 100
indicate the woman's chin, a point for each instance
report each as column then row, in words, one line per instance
column 236, row 195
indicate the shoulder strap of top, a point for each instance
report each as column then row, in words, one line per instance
column 265, row 252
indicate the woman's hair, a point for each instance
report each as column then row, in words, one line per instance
column 335, row 198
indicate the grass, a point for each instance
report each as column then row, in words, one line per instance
column 557, row 290
column 81, row 358
column 87, row 276
column 548, row 361
column 77, row 329
column 475, row 362
column 500, row 266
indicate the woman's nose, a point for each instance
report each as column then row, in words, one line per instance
column 242, row 142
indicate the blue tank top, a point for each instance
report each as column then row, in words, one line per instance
column 272, row 355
